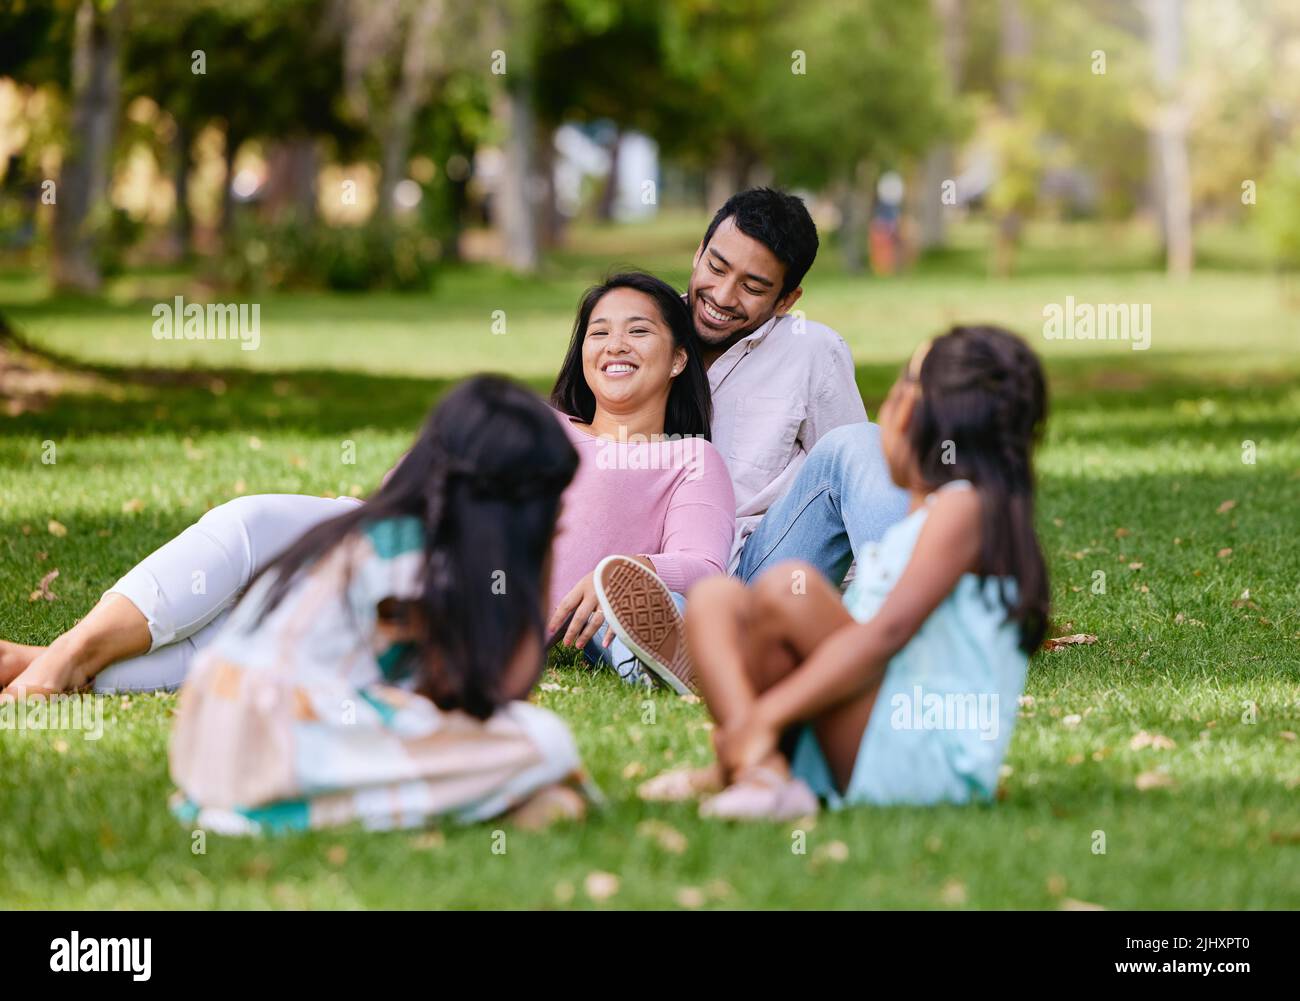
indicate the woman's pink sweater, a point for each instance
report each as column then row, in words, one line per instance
column 669, row 500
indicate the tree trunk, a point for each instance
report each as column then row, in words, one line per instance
column 516, row 194
column 550, row 223
column 412, row 94
column 83, row 189
column 1014, row 47
column 1164, row 20
column 227, row 221
column 728, row 175
column 855, row 210
column 291, row 180
column 182, row 220
column 938, row 164
column 609, row 192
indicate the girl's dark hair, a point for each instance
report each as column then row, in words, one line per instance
column 690, row 404
column 981, row 411
column 484, row 478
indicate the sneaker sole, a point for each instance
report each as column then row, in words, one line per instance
column 641, row 611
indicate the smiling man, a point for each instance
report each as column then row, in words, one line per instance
column 789, row 421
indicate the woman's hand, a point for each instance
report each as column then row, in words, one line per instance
column 587, row 616
column 745, row 743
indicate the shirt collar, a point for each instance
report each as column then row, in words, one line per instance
column 730, row 358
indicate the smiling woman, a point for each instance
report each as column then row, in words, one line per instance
column 635, row 400
column 633, row 346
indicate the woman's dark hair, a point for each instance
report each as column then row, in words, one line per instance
column 484, row 478
column 690, row 404
column 780, row 222
column 981, row 411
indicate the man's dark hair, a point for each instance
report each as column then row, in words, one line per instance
column 780, row 222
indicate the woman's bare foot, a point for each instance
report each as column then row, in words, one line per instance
column 15, row 658
column 113, row 630
column 544, row 808
column 682, row 784
column 48, row 674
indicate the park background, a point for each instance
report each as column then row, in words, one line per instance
column 413, row 190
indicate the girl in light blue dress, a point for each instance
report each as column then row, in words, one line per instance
column 905, row 690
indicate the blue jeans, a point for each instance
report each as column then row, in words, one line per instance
column 618, row 656
column 842, row 499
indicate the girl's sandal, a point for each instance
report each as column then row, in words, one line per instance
column 761, row 793
column 681, row 784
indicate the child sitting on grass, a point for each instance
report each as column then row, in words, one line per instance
column 906, row 689
column 376, row 670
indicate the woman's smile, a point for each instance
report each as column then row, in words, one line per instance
column 619, row 369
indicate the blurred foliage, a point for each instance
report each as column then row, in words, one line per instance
column 822, row 95
column 1278, row 207
column 287, row 254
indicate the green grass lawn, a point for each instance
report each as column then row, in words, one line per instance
column 1143, row 480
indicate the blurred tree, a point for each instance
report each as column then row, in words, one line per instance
column 938, row 165
column 227, row 62
column 845, row 91
column 393, row 56
column 82, row 203
column 1165, row 25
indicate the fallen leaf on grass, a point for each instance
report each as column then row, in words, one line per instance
column 834, row 851
column 57, row 529
column 953, row 893
column 667, row 837
column 43, row 592
column 1225, row 552
column 600, row 885
column 690, row 896
column 1225, row 507
column 633, row 769
column 1155, row 741
column 1287, row 735
column 429, row 841
column 1058, row 642
column 1153, row 780
column 1069, row 904
column 132, row 506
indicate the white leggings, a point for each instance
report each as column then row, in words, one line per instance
column 185, row 589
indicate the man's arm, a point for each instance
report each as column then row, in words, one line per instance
column 836, row 400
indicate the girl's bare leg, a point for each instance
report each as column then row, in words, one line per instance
column 745, row 641
column 113, row 630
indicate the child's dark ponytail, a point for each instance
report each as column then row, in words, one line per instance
column 484, row 479
column 980, row 415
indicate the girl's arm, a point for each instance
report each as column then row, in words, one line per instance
column 854, row 657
